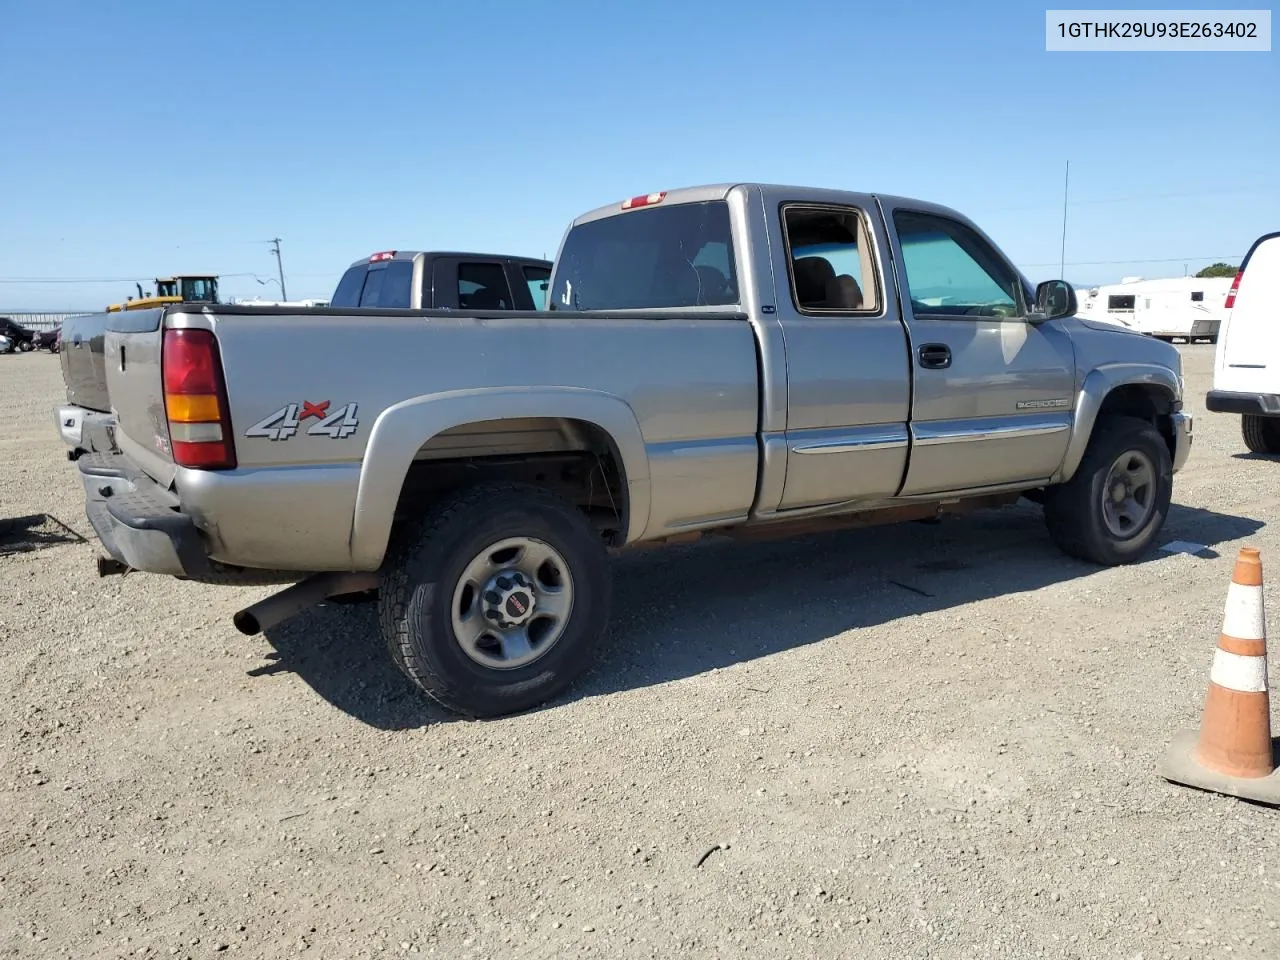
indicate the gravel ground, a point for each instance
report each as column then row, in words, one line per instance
column 914, row 741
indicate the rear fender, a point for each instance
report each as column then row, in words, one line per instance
column 401, row 430
column 1100, row 382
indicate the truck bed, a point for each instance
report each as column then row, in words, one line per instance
column 687, row 381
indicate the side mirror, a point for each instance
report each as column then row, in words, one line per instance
column 1054, row 299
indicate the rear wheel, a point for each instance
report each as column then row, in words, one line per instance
column 495, row 600
column 1261, row 434
column 1115, row 504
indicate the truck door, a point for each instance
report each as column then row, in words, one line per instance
column 848, row 383
column 479, row 285
column 993, row 394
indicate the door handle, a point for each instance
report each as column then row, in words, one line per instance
column 935, row 356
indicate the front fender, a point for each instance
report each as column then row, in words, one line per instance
column 1099, row 382
column 402, row 429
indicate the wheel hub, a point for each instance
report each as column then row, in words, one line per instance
column 509, row 600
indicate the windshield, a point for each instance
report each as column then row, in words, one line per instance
column 654, row 258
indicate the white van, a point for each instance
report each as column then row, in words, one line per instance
column 1246, row 367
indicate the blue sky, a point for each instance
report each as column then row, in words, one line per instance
column 487, row 125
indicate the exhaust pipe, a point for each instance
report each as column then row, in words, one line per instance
column 266, row 613
column 110, row 567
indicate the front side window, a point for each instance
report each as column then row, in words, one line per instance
column 538, row 279
column 952, row 272
column 653, row 258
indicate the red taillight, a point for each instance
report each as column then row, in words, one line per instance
column 648, row 200
column 384, row 255
column 195, row 400
column 1231, row 294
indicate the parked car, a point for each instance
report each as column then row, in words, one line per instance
column 50, row 340
column 742, row 360
column 6, row 345
column 403, row 279
column 1246, row 368
column 19, row 337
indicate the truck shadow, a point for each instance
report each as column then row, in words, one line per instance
column 683, row 611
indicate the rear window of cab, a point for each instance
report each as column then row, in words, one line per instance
column 649, row 259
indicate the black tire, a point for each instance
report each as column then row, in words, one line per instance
column 426, row 560
column 1261, row 434
column 1074, row 511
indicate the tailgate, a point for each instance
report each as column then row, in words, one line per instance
column 136, row 387
column 81, row 358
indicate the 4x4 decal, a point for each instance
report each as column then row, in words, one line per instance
column 285, row 422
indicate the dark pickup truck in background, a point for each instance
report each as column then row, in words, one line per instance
column 442, row 280
column 413, row 279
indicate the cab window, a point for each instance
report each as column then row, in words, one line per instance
column 649, row 259
column 829, row 259
column 538, row 279
column 952, row 272
column 483, row 286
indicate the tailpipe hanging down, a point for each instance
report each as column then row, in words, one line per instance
column 269, row 611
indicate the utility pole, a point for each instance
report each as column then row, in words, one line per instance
column 279, row 266
column 1062, row 267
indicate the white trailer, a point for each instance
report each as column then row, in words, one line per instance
column 1189, row 308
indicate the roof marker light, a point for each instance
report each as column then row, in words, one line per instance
column 648, row 200
column 384, row 255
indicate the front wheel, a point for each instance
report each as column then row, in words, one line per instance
column 1116, row 503
column 495, row 600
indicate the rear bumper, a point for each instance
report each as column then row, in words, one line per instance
column 1182, row 436
column 85, row 431
column 139, row 522
column 1231, row 401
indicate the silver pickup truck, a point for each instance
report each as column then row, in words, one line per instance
column 738, row 359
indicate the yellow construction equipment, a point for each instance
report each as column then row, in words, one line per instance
column 179, row 289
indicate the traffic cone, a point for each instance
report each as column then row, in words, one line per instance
column 1233, row 752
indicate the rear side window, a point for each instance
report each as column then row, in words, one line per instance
column 654, row 258
column 829, row 259
column 483, row 286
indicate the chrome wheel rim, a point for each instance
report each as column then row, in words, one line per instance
column 1129, row 494
column 512, row 603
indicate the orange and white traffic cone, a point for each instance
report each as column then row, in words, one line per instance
column 1233, row 752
